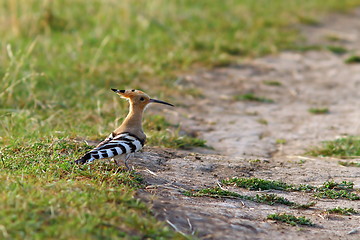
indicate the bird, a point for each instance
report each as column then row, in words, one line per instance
column 129, row 137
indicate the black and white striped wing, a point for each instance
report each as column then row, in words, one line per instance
column 106, row 140
column 124, row 143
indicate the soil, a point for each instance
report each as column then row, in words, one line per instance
column 264, row 140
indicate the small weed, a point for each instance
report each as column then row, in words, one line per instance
column 344, row 185
column 195, row 92
column 252, row 97
column 232, row 50
column 252, row 113
column 269, row 199
column 336, row 49
column 305, row 206
column 342, row 147
column 333, row 38
column 353, row 59
column 308, row 20
column 254, row 161
column 318, row 110
column 290, row 219
column 50, row 21
column 329, row 189
column 272, row 199
column 302, row 188
column 272, row 83
column 333, row 194
column 262, row 121
column 301, row 161
column 256, row 184
column 305, row 48
column 222, row 63
column 215, row 192
column 342, row 211
column 334, row 190
column 349, row 164
column 280, row 141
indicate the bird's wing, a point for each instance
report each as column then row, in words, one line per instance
column 106, row 140
column 123, row 143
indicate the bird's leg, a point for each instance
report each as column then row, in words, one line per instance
column 127, row 166
column 126, row 159
column 118, row 163
column 117, row 160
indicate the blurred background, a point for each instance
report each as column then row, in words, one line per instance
column 59, row 58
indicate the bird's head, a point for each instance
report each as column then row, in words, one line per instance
column 137, row 98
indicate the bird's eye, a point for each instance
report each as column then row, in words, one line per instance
column 142, row 99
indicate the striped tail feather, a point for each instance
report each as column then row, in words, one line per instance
column 124, row 143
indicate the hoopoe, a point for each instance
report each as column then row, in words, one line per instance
column 129, row 137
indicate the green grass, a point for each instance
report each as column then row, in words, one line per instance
column 280, row 141
column 272, row 83
column 334, row 190
column 305, row 48
column 344, row 185
column 258, row 184
column 59, row 60
column 255, row 161
column 334, row 38
column 353, row 59
column 349, row 164
column 306, row 20
column 262, row 121
column 176, row 141
column 269, row 199
column 342, row 211
column 332, row 48
column 336, row 49
column 290, row 219
column 329, row 189
column 345, row 147
column 44, row 196
column 272, row 199
column 318, row 110
column 215, row 192
column 252, row 97
column 333, row 194
column 162, row 133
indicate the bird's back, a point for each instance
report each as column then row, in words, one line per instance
column 113, row 145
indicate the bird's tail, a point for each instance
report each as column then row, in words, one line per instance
column 86, row 158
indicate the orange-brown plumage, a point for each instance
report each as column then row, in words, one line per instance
column 129, row 137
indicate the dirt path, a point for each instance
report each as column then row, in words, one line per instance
column 241, row 132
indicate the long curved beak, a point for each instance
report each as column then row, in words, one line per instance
column 162, row 102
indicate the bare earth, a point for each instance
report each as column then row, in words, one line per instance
column 242, row 131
